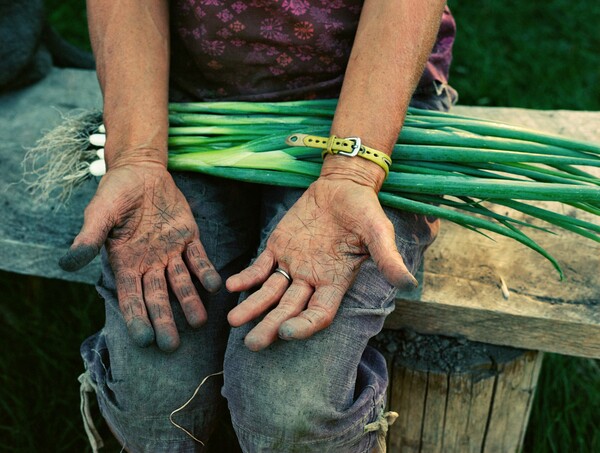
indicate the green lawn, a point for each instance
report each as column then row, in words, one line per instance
column 539, row 55
column 511, row 53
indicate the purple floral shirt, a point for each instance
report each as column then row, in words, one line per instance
column 275, row 49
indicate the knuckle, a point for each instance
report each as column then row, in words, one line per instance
column 277, row 316
column 187, row 293
column 159, row 298
column 194, row 313
column 319, row 317
column 191, row 306
column 201, row 265
column 251, row 273
column 132, row 306
column 383, row 226
column 196, row 249
column 160, row 313
column 327, row 319
column 273, row 286
column 127, row 283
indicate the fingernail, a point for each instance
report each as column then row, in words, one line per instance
column 287, row 332
column 252, row 343
column 196, row 320
column 167, row 342
column 141, row 332
column 212, row 282
column 77, row 257
column 414, row 281
column 407, row 282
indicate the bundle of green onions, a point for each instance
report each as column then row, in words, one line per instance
column 444, row 165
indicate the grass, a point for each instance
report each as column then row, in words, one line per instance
column 510, row 53
column 528, row 54
column 564, row 417
column 69, row 19
column 43, row 322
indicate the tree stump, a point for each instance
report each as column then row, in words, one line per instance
column 453, row 395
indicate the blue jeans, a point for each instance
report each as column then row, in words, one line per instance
column 314, row 395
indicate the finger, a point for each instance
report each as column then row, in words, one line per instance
column 257, row 303
column 97, row 223
column 381, row 242
column 131, row 303
column 321, row 310
column 254, row 274
column 159, row 309
column 292, row 303
column 184, row 289
column 199, row 264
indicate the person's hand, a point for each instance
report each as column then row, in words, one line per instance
column 151, row 238
column 320, row 242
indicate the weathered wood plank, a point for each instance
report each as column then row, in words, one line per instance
column 531, row 384
column 511, row 405
column 409, row 393
column 478, row 409
column 477, row 311
column 467, row 406
column 434, row 417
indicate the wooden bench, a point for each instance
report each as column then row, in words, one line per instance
column 463, row 358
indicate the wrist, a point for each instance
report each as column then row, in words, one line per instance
column 130, row 141
column 138, row 156
column 360, row 171
column 369, row 169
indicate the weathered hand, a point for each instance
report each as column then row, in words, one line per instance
column 151, row 238
column 320, row 243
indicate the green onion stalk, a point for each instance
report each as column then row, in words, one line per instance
column 444, row 165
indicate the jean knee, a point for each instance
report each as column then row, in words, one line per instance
column 138, row 401
column 281, row 401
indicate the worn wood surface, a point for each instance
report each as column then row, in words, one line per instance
column 407, row 397
column 34, row 236
column 510, row 409
column 470, row 412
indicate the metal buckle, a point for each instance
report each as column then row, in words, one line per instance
column 355, row 147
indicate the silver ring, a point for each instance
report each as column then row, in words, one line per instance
column 284, row 273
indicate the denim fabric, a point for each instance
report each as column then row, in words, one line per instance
column 314, row 395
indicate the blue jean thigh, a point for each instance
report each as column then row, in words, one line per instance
column 318, row 394
column 138, row 388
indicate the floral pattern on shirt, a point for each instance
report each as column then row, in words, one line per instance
column 272, row 49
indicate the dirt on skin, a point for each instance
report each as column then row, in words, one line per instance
column 442, row 354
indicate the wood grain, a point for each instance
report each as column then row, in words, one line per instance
column 470, row 412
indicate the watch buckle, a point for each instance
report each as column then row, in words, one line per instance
column 355, row 147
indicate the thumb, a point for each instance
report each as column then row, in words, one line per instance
column 97, row 223
column 381, row 242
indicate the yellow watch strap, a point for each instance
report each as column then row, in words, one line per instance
column 350, row 146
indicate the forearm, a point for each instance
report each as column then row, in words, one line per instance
column 130, row 39
column 393, row 41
